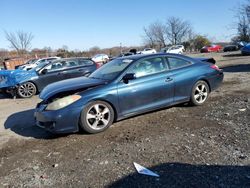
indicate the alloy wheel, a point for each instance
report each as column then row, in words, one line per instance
column 27, row 90
column 201, row 93
column 98, row 116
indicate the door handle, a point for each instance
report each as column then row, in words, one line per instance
column 61, row 73
column 169, row 79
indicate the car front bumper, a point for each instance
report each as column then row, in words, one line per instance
column 60, row 121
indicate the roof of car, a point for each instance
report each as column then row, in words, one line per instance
column 70, row 58
column 140, row 56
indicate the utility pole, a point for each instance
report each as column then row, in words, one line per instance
column 120, row 47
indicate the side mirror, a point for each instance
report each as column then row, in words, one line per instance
column 44, row 71
column 129, row 76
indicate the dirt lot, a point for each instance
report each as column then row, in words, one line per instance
column 207, row 146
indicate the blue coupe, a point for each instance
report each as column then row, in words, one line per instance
column 125, row 87
column 245, row 50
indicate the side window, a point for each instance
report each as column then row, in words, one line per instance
column 149, row 66
column 56, row 66
column 175, row 63
column 71, row 63
column 85, row 62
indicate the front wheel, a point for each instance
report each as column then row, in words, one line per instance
column 200, row 93
column 96, row 117
column 26, row 90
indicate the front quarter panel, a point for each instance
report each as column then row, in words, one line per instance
column 107, row 93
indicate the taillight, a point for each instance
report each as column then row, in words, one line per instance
column 98, row 65
column 215, row 67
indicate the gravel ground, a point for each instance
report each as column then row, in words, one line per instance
column 206, row 146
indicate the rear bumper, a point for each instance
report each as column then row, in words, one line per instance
column 216, row 80
column 59, row 121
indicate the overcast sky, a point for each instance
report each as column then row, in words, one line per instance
column 106, row 23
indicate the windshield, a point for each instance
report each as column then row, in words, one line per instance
column 111, row 70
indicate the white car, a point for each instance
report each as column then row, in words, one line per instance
column 179, row 49
column 34, row 64
column 100, row 58
column 148, row 51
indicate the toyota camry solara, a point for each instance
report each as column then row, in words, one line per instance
column 125, row 87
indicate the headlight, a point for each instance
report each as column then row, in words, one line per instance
column 61, row 103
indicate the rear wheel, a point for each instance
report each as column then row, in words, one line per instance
column 96, row 117
column 26, row 90
column 200, row 93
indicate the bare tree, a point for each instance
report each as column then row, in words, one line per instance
column 20, row 41
column 159, row 33
column 155, row 34
column 243, row 29
column 94, row 50
column 177, row 30
column 243, row 23
column 148, row 38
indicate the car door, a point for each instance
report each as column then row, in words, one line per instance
column 53, row 72
column 184, row 75
column 152, row 88
column 79, row 67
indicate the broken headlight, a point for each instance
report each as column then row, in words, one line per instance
column 63, row 102
column 3, row 79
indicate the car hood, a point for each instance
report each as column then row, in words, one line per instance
column 14, row 77
column 69, row 85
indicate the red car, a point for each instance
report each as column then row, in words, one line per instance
column 211, row 48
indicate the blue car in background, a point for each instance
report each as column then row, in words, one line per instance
column 26, row 83
column 125, row 87
column 245, row 50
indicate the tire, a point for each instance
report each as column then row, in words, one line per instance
column 200, row 93
column 96, row 117
column 26, row 90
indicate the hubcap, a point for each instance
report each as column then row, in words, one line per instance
column 27, row 90
column 200, row 94
column 98, row 116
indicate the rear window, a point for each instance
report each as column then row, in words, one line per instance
column 175, row 63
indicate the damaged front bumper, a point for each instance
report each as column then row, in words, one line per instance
column 8, row 85
column 60, row 121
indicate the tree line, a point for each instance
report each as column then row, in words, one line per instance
column 172, row 32
column 243, row 23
